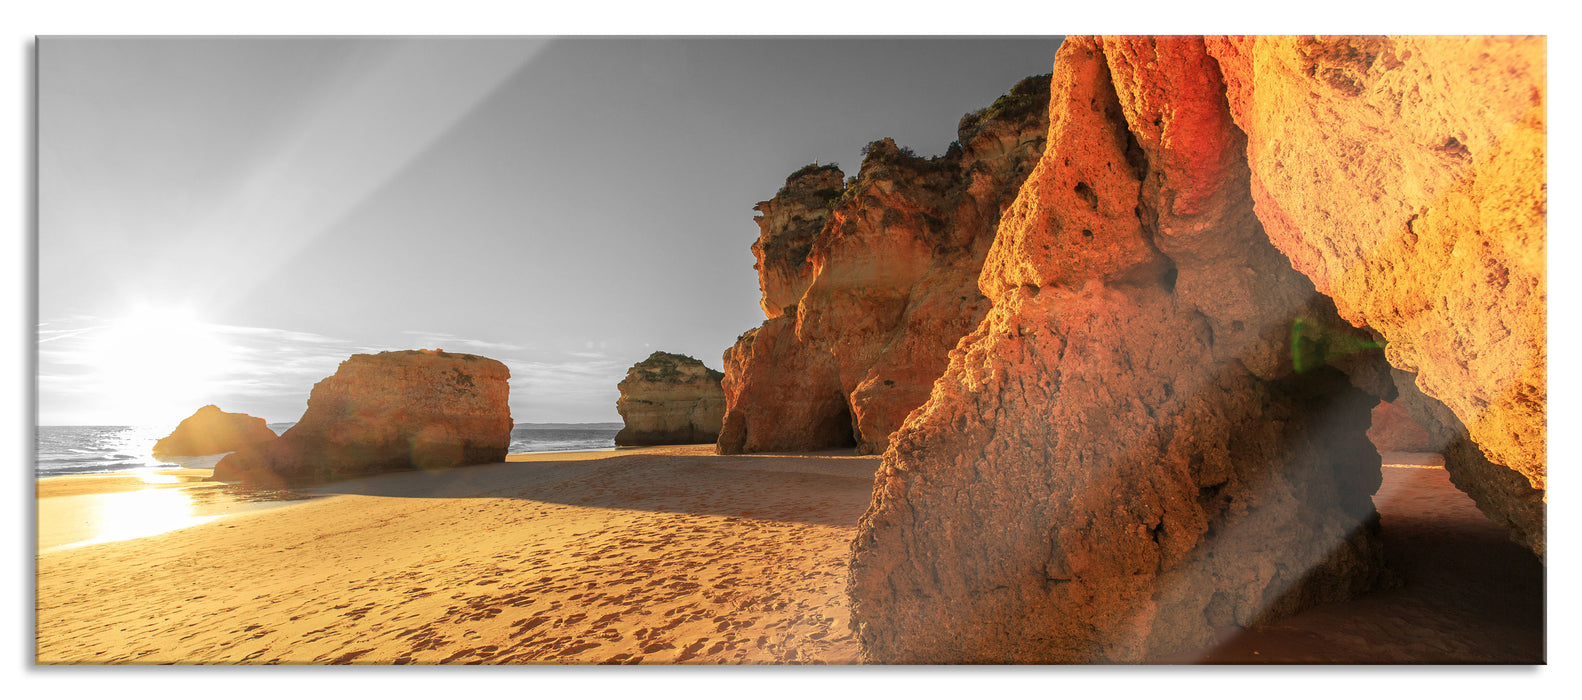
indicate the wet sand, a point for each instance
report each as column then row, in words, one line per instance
column 654, row 555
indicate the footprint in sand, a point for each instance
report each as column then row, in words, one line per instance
column 621, row 659
column 348, row 657
column 580, row 648
column 691, row 650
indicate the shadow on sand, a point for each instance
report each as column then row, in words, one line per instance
column 821, row 488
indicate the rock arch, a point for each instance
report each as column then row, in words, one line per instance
column 1136, row 445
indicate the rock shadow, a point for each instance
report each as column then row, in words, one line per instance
column 829, row 488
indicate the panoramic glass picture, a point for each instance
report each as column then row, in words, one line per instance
column 766, row 350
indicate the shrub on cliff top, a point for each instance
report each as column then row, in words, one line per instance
column 885, row 151
column 811, row 168
column 808, row 170
column 880, row 157
column 1026, row 96
column 664, row 366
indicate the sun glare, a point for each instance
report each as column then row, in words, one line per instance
column 125, row 516
column 158, row 365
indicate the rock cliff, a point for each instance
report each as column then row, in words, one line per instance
column 869, row 288
column 1159, row 429
column 787, row 225
column 670, row 399
column 409, row 409
column 210, row 431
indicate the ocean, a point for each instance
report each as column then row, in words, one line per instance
column 104, row 449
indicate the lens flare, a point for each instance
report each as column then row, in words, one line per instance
column 1314, row 345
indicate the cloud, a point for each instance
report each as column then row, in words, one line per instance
column 48, row 336
column 86, row 377
column 564, row 390
column 427, row 338
column 277, row 334
column 99, row 372
column 566, row 374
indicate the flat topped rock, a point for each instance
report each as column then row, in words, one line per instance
column 394, row 411
column 670, row 399
column 211, row 431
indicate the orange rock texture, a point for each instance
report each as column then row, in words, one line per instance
column 1158, row 430
column 867, row 290
column 1406, row 177
column 787, row 225
column 781, row 395
column 210, row 431
column 394, row 411
column 670, row 399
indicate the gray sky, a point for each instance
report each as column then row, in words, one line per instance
column 224, row 221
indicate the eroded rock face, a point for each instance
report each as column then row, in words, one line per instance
column 1159, row 427
column 670, row 399
column 210, row 431
column 781, row 395
column 1406, row 177
column 886, row 287
column 394, row 411
column 1153, row 433
column 787, row 225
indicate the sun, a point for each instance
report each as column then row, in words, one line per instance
column 156, row 365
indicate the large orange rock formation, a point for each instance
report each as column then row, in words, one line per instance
column 1159, row 429
column 781, row 394
column 1406, row 177
column 210, row 431
column 867, row 287
column 410, row 409
column 670, row 399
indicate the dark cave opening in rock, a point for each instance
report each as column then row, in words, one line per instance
column 843, row 426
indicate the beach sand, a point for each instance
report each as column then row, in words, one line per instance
column 652, row 555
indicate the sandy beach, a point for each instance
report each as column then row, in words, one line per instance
column 655, row 555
